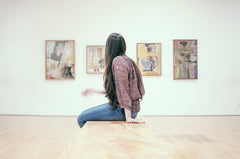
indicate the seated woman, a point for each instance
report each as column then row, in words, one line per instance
column 123, row 87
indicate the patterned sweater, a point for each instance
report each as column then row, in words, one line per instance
column 127, row 91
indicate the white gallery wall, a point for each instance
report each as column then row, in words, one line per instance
column 26, row 24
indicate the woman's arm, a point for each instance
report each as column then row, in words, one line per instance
column 99, row 92
column 89, row 91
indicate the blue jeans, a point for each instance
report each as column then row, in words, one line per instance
column 103, row 113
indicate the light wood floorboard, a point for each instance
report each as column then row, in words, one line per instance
column 184, row 137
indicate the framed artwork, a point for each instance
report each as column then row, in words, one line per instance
column 60, row 59
column 149, row 57
column 95, row 59
column 185, row 59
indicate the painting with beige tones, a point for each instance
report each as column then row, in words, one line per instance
column 149, row 58
column 95, row 59
column 60, row 59
column 185, row 63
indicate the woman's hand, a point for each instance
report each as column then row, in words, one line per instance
column 134, row 121
column 130, row 120
column 88, row 92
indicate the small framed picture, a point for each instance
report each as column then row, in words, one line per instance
column 149, row 57
column 60, row 59
column 185, row 59
column 95, row 59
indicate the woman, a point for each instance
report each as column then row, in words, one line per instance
column 123, row 86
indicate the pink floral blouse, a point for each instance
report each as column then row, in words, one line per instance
column 127, row 91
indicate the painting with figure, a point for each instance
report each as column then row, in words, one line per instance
column 149, row 58
column 95, row 59
column 185, row 63
column 60, row 59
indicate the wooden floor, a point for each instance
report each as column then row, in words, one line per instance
column 117, row 140
column 192, row 137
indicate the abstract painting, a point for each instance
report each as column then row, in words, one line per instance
column 60, row 59
column 149, row 58
column 95, row 59
column 185, row 59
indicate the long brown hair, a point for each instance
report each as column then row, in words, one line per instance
column 115, row 46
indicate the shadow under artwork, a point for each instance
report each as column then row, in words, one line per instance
column 185, row 63
column 60, row 59
column 149, row 58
